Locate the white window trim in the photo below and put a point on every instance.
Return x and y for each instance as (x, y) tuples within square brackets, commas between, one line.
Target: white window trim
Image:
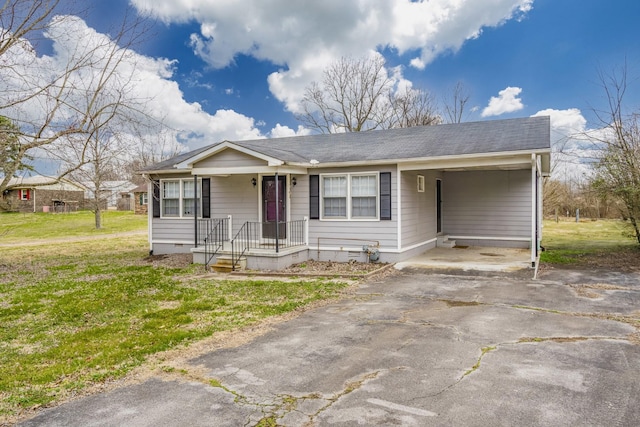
[(145, 199), (24, 195), (349, 217), (181, 182)]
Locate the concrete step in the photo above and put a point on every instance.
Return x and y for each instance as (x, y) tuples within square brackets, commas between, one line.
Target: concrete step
[(224, 264), (444, 242)]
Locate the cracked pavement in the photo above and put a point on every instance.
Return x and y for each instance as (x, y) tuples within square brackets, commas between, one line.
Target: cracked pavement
[(412, 349)]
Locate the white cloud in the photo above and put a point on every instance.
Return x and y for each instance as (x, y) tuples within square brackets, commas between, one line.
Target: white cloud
[(146, 78), (303, 37), (573, 149), (507, 101), (283, 131)]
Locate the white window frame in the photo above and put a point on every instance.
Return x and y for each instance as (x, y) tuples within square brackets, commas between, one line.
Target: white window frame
[(181, 198), (24, 195), (349, 197), (145, 199)]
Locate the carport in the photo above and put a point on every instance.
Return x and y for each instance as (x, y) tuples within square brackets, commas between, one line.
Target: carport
[(472, 258)]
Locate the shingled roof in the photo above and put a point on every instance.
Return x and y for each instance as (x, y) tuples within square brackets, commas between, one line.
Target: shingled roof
[(531, 134)]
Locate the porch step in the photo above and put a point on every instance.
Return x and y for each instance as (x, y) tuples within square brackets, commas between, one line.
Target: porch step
[(224, 264), (444, 242)]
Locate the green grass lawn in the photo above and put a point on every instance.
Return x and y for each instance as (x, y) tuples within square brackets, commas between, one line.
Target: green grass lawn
[(80, 313), (16, 227), (568, 242)]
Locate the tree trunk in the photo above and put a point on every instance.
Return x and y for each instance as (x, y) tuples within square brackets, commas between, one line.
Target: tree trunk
[(635, 229), (98, 217)]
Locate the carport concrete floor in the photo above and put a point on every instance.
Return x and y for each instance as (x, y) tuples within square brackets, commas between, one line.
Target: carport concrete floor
[(412, 348), (471, 258)]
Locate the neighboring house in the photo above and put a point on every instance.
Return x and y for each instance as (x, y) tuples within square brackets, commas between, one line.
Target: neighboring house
[(113, 194), (43, 194), (140, 200), (382, 195)]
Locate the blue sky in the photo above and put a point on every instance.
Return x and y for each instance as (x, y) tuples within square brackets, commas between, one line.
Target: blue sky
[(237, 70)]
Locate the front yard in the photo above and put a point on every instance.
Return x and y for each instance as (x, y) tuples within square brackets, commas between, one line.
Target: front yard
[(594, 244), (76, 315)]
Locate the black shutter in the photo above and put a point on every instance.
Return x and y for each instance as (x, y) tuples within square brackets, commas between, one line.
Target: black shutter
[(206, 197), (314, 196), (385, 195), (156, 198)]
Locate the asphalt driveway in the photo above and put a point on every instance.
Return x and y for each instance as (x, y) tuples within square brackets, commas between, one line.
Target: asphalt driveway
[(412, 349)]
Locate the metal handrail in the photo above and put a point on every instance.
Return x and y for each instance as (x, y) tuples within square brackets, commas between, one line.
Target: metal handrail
[(213, 232), (267, 235)]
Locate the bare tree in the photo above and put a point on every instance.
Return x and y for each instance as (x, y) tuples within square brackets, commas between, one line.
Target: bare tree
[(618, 145), (455, 103), (358, 95), (103, 99), (21, 19), (68, 111), (349, 98), (411, 107)]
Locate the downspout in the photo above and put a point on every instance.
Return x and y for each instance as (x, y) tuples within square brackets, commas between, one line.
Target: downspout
[(195, 211), (34, 200), (150, 185)]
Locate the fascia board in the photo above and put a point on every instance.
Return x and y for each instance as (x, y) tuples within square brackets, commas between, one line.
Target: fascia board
[(249, 170), (419, 162)]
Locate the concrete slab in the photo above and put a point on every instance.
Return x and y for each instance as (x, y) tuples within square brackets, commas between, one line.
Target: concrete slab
[(471, 259), (412, 349)]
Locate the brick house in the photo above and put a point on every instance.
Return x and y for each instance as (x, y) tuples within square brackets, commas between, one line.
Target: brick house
[(43, 194), (140, 200)]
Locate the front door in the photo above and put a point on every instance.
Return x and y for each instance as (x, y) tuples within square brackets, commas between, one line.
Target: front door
[(274, 208)]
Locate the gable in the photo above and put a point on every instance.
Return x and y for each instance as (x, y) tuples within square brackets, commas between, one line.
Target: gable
[(229, 158)]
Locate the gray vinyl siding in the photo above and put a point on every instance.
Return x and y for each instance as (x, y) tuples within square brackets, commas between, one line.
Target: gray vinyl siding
[(418, 209), (236, 196), (178, 229), (299, 198), (338, 233), (230, 158), (176, 234), (487, 203)]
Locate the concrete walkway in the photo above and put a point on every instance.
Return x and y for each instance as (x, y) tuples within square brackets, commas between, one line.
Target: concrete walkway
[(412, 349)]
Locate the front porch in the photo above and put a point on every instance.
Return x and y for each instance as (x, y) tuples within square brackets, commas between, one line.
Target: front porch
[(256, 245)]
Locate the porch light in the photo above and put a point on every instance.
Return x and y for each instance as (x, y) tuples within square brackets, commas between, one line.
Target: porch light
[(294, 181), (254, 182)]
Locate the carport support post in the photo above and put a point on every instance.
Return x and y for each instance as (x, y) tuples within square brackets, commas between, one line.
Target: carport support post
[(277, 215), (534, 209)]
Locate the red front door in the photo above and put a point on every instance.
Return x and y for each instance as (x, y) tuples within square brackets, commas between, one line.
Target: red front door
[(274, 208)]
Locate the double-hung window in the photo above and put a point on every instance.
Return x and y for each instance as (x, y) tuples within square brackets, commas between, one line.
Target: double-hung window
[(334, 196), (189, 196), (364, 196), (350, 196), (177, 198)]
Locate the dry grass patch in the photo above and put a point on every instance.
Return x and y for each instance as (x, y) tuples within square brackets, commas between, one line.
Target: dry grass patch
[(80, 315)]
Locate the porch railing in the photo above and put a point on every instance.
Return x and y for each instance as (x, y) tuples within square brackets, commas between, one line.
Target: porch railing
[(266, 235), (212, 233)]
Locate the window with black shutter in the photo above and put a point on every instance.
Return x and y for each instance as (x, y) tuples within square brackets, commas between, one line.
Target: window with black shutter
[(385, 196)]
